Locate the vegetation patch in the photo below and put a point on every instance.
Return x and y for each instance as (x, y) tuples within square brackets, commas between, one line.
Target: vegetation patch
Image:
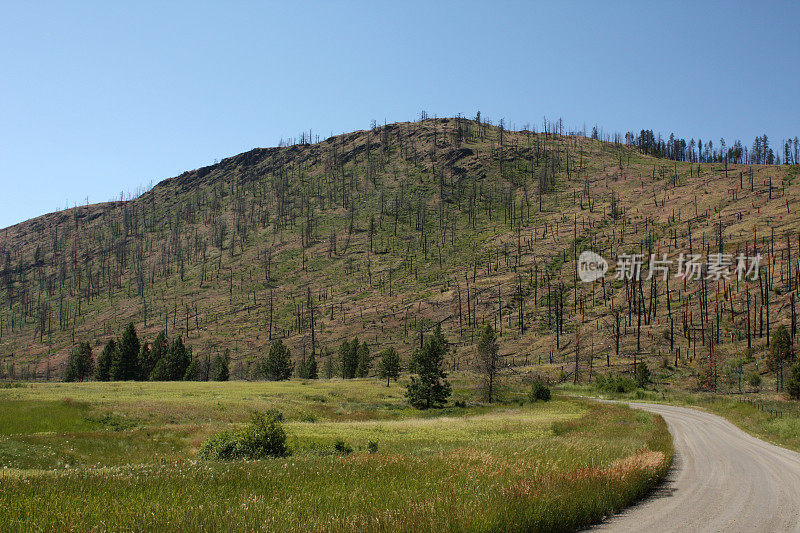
[(541, 466), (263, 437)]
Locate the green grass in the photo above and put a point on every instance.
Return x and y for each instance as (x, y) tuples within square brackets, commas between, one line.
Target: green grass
[(782, 429), (544, 466), (20, 417)]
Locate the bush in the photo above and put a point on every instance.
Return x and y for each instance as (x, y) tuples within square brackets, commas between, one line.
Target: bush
[(793, 383), (754, 380), (342, 447), (263, 437), (274, 413), (539, 391), (614, 384), (642, 375)]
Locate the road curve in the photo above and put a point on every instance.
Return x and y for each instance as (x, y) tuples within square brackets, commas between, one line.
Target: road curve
[(722, 479)]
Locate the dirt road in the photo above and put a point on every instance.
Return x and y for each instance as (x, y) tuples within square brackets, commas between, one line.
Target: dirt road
[(722, 480)]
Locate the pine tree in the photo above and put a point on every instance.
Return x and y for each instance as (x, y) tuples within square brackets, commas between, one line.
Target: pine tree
[(125, 364), (192, 371), (102, 371), (429, 387), (389, 366), (278, 364), (219, 367), (348, 358), (181, 356), (328, 368), (642, 375), (311, 368), (780, 351), (489, 360), (146, 361), (172, 366), (81, 364), (793, 383), (158, 351), (364, 361)]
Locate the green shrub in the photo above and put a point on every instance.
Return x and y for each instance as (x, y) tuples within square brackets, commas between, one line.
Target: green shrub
[(263, 437), (539, 391), (642, 375), (274, 413), (342, 447), (793, 383), (754, 380), (614, 384)]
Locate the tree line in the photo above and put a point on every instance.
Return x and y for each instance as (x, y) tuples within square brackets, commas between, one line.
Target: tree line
[(129, 359), (678, 149)]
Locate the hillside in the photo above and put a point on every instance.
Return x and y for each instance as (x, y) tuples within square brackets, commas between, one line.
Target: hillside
[(386, 232)]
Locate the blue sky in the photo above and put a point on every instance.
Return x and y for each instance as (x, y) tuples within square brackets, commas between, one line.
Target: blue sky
[(100, 97)]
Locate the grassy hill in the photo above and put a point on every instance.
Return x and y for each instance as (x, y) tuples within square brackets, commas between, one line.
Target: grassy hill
[(386, 232)]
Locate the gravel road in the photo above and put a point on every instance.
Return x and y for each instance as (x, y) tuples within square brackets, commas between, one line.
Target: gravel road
[(722, 479)]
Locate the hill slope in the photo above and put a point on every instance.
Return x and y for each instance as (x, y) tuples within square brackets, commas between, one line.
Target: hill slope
[(386, 232)]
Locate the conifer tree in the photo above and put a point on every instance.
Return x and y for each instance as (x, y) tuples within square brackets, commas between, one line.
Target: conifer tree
[(429, 387), (172, 366), (364, 361), (780, 351), (220, 366), (311, 367), (102, 371), (278, 364), (793, 383), (489, 361), (192, 371), (328, 368), (348, 358), (146, 361), (158, 351), (389, 366), (125, 363), (81, 364)]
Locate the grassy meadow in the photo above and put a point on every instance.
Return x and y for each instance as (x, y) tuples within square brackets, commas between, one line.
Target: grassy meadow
[(122, 456), (767, 416)]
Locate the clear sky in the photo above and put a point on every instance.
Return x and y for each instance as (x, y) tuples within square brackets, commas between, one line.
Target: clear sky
[(102, 97)]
